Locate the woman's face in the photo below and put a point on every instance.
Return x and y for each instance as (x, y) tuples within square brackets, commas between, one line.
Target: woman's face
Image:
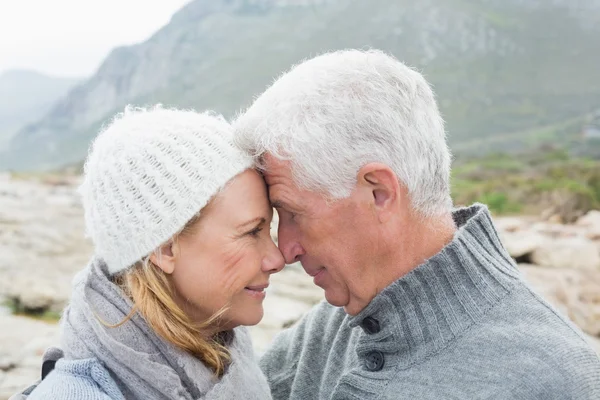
[(227, 258)]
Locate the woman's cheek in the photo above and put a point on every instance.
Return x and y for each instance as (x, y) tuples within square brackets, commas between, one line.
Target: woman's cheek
[(233, 256)]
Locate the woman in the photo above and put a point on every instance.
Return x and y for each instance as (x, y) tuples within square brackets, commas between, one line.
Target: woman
[(180, 225)]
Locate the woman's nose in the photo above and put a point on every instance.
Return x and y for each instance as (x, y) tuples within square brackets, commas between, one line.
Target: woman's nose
[(274, 261)]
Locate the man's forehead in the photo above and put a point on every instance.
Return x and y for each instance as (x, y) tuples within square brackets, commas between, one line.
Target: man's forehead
[(277, 182), (269, 159), (282, 189), (278, 195), (276, 170)]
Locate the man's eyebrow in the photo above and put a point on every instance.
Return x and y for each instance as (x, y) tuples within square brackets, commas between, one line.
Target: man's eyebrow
[(278, 204)]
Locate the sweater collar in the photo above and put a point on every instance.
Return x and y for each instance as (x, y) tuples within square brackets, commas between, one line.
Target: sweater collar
[(424, 310)]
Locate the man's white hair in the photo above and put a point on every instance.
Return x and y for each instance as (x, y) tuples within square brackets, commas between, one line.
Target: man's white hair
[(332, 114)]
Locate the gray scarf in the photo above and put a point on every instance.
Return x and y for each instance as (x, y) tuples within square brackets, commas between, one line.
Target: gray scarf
[(143, 365)]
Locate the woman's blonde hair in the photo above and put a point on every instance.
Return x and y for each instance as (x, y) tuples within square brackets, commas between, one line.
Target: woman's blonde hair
[(153, 294)]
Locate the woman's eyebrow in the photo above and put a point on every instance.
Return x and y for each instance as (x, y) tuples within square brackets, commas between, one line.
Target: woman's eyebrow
[(253, 221)]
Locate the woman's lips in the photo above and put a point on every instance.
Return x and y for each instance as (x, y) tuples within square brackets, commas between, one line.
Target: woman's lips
[(257, 291), (258, 287)]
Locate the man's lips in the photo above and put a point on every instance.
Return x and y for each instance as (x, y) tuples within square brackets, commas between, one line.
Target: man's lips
[(316, 275), (318, 278), (315, 272)]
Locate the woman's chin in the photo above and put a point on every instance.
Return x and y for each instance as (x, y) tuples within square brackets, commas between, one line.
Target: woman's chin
[(250, 318)]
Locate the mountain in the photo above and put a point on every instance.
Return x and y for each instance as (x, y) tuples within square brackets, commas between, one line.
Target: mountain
[(499, 67), (25, 96)]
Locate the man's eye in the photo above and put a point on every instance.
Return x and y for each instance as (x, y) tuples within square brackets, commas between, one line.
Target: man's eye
[(287, 214)]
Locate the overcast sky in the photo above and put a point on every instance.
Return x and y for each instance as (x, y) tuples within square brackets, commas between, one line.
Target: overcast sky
[(72, 37)]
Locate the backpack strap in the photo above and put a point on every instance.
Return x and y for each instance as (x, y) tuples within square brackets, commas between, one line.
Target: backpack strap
[(47, 367), (51, 356)]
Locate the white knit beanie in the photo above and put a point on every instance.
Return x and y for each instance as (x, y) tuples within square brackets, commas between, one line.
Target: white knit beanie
[(148, 173)]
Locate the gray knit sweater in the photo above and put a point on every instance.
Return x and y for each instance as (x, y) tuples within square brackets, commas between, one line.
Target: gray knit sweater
[(463, 325)]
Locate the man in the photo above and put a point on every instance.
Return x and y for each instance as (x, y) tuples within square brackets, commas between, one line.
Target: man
[(423, 302)]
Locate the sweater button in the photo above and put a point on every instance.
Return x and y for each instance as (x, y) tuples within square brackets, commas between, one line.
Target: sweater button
[(370, 325), (374, 361)]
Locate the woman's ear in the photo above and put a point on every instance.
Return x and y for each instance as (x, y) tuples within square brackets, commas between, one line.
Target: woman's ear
[(164, 257)]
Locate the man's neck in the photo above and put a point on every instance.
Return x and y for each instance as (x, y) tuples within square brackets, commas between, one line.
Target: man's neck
[(403, 251), (422, 241)]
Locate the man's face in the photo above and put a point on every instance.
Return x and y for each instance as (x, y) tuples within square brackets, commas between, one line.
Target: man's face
[(336, 242)]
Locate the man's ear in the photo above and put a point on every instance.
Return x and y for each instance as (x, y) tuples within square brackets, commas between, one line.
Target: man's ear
[(164, 257), (383, 185)]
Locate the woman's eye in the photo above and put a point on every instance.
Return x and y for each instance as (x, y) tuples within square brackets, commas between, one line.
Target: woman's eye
[(254, 232)]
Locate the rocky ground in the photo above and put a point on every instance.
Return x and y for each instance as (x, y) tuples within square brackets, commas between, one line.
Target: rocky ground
[(42, 246)]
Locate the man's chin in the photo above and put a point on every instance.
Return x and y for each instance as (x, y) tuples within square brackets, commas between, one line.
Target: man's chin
[(335, 299), (351, 308)]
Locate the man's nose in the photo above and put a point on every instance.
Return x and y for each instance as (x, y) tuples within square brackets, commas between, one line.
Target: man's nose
[(289, 244)]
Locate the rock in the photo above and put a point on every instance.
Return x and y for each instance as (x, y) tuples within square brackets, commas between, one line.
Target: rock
[(593, 234), (510, 224), (592, 218), (555, 219), (24, 341), (17, 380), (7, 361), (575, 293), (556, 231), (34, 293), (42, 244), (22, 337), (564, 205), (520, 243), (591, 223), (575, 252)]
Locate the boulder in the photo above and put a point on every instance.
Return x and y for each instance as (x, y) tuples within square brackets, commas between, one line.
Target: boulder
[(17, 380), (591, 224), (555, 230), (24, 341), (573, 292), (510, 224), (7, 361), (573, 252), (520, 243), (42, 243)]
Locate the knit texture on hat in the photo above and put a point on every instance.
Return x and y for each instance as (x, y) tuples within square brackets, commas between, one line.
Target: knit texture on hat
[(148, 173)]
